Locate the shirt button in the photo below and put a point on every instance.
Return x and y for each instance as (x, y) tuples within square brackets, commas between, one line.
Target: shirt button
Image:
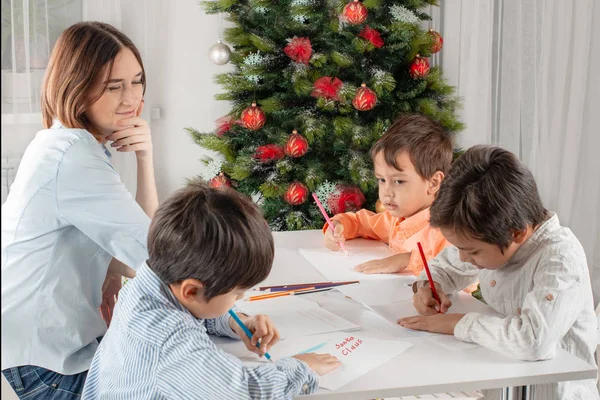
[(519, 311), (549, 297), (305, 388), (493, 283), (54, 385)]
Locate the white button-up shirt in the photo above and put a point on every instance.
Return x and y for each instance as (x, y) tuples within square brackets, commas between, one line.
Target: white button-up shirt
[(545, 294), (66, 214)]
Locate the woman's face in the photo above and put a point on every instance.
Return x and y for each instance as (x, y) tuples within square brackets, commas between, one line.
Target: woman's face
[(122, 96)]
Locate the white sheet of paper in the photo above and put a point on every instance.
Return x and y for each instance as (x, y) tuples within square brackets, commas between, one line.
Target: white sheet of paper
[(275, 305), (294, 316), (382, 292), (336, 266), (367, 354), (392, 312), (359, 354)]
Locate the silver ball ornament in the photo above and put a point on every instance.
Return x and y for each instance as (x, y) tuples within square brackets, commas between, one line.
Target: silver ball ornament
[(219, 53)]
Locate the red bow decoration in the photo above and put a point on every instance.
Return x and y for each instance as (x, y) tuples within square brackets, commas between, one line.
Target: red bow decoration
[(327, 87), (350, 198), (269, 152), (372, 36), (299, 50), (224, 124)]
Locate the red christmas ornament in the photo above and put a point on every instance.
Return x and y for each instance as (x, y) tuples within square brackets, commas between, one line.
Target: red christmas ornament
[(224, 124), (355, 13), (296, 145), (299, 50), (372, 36), (348, 198), (365, 98), (220, 181), (438, 41), (253, 118), (296, 194), (327, 87), (268, 153), (419, 68)]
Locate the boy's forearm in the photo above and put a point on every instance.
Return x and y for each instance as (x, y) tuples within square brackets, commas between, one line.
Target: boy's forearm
[(146, 195)]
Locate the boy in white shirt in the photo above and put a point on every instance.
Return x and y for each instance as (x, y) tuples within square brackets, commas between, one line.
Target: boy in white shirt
[(532, 270)]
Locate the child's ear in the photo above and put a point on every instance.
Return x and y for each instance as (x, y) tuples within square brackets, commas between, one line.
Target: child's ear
[(519, 236), (434, 182), (190, 289)]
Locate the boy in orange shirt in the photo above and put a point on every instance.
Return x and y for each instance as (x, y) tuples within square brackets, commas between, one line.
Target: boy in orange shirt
[(410, 161)]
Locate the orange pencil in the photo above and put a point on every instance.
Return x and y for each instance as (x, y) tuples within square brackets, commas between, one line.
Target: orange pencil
[(278, 294)]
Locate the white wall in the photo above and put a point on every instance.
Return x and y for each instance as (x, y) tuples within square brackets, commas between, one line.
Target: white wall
[(180, 82)]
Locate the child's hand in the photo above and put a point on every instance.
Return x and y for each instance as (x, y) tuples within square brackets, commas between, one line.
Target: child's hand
[(388, 265), (263, 330), (322, 364), (426, 304), (333, 239), (438, 323)]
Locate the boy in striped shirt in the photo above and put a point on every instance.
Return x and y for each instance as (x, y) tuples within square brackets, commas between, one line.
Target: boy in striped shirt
[(206, 246)]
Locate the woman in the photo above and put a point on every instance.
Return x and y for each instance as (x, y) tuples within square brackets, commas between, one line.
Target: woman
[(68, 213)]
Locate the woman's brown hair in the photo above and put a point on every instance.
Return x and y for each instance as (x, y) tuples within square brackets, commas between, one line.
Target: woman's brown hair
[(82, 55)]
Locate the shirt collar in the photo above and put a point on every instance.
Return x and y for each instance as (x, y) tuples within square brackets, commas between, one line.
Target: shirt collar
[(416, 222), (56, 124), (531, 244), (154, 286)]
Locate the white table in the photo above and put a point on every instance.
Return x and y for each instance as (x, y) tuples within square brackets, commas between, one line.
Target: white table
[(423, 368)]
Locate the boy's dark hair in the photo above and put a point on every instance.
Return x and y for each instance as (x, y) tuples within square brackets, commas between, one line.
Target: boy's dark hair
[(427, 144), (487, 194), (217, 236)]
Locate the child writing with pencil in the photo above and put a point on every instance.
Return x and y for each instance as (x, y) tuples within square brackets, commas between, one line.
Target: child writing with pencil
[(410, 162), (206, 247), (532, 270)]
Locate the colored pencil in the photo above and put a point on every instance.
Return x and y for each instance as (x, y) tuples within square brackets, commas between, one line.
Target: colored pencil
[(435, 294), (277, 294), (298, 292), (246, 331), (292, 286), (315, 285), (327, 219), (312, 291)]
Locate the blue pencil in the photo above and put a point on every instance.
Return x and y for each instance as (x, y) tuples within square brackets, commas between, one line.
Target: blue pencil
[(246, 330)]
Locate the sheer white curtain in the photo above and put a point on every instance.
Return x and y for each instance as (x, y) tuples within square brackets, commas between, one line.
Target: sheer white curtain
[(29, 30), (526, 72)]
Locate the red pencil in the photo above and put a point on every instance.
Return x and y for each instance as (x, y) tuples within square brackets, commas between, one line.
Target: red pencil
[(435, 295)]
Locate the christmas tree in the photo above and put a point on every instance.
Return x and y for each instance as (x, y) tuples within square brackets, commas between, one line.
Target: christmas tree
[(316, 83)]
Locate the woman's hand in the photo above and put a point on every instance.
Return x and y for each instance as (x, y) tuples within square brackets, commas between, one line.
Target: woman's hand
[(133, 135)]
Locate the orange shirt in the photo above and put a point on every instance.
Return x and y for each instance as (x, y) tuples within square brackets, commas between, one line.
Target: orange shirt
[(401, 234)]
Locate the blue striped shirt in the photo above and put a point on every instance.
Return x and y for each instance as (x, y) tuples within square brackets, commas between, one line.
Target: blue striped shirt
[(156, 349)]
